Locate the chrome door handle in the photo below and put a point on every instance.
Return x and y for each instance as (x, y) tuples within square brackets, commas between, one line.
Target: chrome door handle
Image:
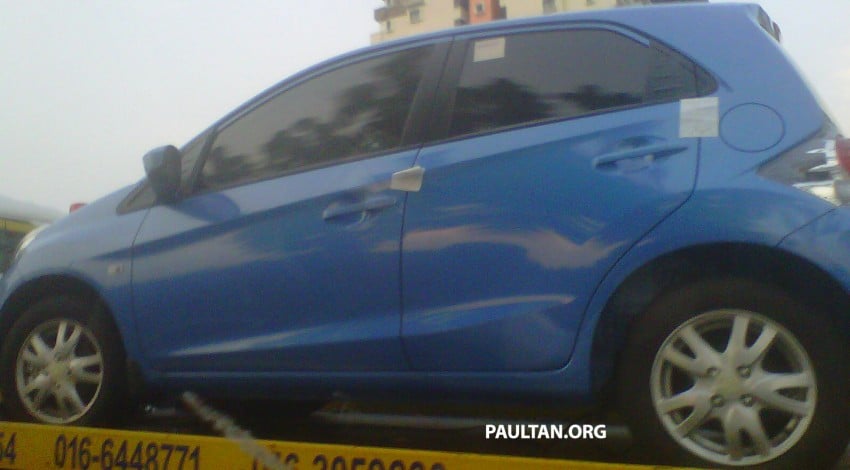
[(409, 180)]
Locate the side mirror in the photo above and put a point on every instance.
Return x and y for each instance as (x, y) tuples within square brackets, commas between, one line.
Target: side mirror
[(162, 166)]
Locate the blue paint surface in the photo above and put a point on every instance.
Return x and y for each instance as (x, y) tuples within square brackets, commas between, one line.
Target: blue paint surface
[(488, 282)]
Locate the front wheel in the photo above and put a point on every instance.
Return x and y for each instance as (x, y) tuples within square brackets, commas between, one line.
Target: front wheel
[(736, 373), (63, 363)]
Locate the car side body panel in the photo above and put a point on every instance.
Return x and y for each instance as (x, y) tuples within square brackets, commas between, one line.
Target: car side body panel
[(729, 204)]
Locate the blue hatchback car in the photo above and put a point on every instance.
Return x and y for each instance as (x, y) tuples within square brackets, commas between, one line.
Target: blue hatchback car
[(644, 204)]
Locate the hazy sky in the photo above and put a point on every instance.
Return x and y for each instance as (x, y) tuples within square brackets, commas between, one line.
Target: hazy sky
[(87, 87)]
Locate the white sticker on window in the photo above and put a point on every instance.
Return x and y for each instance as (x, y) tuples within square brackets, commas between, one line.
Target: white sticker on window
[(699, 117), (489, 49)]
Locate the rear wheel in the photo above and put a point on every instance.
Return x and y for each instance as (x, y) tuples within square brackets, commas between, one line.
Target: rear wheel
[(63, 363), (733, 372)]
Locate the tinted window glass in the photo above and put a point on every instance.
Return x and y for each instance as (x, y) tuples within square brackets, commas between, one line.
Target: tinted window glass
[(354, 110), (561, 74)]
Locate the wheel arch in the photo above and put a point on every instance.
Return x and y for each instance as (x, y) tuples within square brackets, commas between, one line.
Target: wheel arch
[(801, 278), (51, 285)]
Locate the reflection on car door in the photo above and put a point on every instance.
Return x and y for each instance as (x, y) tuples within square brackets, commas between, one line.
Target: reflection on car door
[(563, 151)]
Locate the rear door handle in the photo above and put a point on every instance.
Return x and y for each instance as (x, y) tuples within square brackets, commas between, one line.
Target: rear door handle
[(369, 204), (409, 180), (647, 153)]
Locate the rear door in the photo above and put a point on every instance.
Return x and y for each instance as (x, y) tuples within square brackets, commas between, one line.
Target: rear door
[(557, 151)]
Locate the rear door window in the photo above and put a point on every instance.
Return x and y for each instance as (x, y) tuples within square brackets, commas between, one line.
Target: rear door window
[(530, 77)]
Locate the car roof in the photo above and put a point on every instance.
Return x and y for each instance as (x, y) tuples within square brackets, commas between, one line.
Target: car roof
[(643, 17)]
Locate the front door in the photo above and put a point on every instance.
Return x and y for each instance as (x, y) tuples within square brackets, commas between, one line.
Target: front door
[(286, 256)]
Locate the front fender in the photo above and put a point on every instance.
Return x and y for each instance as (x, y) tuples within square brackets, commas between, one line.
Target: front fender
[(94, 256)]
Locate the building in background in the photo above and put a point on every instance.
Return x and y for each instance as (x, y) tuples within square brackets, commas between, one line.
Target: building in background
[(399, 18), (483, 11)]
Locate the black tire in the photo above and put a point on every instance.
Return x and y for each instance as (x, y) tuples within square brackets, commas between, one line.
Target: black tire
[(99, 386), (705, 307)]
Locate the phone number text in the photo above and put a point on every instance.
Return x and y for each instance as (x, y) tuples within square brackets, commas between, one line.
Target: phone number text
[(77, 452)]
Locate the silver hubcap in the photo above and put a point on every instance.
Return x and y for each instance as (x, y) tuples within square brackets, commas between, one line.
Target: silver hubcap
[(733, 387), (59, 371)]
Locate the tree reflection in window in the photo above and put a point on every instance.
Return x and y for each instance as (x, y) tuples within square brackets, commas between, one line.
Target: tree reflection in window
[(354, 110), (547, 75)]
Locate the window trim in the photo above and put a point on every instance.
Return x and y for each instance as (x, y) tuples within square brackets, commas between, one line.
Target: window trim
[(441, 121)]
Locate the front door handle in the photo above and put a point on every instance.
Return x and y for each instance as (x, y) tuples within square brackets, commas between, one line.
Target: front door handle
[(370, 204), (646, 155)]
